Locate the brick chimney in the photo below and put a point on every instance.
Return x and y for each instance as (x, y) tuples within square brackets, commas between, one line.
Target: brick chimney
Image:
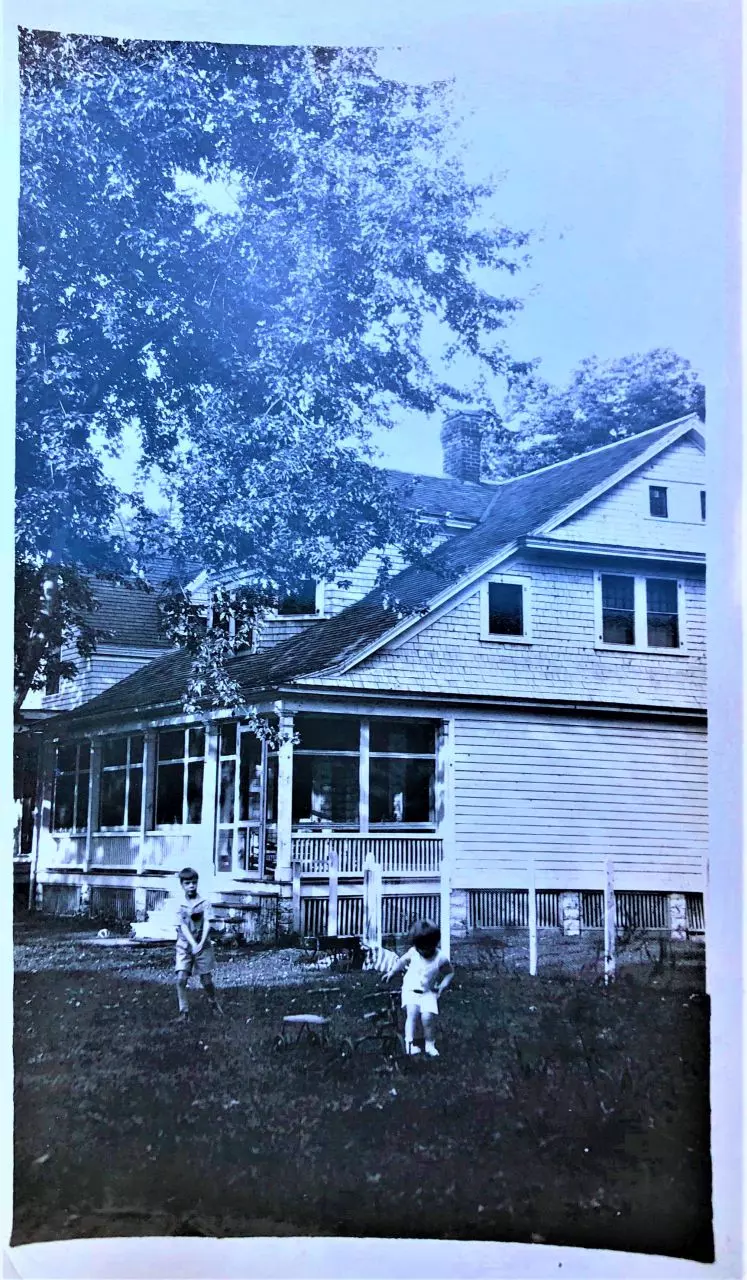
[(461, 439)]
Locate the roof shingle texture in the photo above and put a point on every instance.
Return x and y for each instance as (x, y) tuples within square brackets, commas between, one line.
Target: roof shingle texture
[(517, 508)]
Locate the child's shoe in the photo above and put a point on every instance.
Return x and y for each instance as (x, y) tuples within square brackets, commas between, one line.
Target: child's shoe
[(411, 1048), (432, 1051)]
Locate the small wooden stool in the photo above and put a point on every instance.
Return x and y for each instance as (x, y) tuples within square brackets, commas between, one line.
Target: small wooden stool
[(307, 1025)]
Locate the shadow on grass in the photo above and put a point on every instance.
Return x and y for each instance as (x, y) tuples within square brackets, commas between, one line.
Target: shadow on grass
[(558, 1111)]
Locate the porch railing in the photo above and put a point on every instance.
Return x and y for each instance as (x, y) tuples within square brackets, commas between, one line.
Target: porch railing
[(398, 855)]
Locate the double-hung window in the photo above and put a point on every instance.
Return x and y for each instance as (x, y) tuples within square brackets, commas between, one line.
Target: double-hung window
[(505, 609), (71, 784), (639, 612), (179, 770), (121, 796)]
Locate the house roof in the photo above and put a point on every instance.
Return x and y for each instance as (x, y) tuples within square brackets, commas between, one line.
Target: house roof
[(518, 508), (130, 616), (442, 496)]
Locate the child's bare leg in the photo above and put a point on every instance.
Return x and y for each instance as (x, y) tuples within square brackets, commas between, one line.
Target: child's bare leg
[(429, 1032), (209, 988), (181, 992), (411, 1025)]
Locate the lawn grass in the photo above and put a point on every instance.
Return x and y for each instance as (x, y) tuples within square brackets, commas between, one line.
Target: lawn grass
[(558, 1111)]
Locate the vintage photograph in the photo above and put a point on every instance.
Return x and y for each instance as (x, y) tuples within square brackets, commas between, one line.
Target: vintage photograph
[(360, 754)]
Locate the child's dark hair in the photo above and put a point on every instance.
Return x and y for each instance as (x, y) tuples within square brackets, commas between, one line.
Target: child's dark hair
[(187, 873), (425, 934)]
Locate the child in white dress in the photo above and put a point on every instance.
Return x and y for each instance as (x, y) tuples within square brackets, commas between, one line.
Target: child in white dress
[(428, 973)]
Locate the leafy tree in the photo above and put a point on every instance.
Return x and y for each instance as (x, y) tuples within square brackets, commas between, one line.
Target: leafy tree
[(230, 253), (604, 401)]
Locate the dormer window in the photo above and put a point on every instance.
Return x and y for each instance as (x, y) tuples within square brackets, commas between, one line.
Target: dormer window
[(222, 618), (505, 609), (300, 600), (657, 501)]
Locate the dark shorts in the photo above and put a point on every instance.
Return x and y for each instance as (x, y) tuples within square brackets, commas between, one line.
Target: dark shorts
[(187, 962)]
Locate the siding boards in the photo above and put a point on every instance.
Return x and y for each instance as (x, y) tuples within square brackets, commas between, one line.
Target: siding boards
[(572, 793), (448, 654), (622, 516), (95, 674)]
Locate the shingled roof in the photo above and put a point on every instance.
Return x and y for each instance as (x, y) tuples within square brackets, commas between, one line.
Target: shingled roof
[(518, 508), (130, 616)]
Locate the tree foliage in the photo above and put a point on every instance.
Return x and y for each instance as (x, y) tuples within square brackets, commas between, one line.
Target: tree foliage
[(231, 253), (604, 401)]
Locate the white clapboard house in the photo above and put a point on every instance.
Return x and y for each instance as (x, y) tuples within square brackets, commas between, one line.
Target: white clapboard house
[(525, 714)]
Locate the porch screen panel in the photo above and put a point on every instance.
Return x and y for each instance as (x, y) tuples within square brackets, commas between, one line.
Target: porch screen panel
[(179, 776), (121, 794), (239, 801), (402, 772), (326, 771), (71, 783)]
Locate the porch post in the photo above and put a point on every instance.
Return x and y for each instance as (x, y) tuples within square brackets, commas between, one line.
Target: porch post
[(285, 798), (147, 815), (204, 840), (610, 922), (532, 914), (445, 825), (146, 819), (43, 822), (372, 901), (333, 861), (94, 792)]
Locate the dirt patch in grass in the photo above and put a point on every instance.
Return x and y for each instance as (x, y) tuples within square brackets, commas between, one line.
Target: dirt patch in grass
[(558, 1110)]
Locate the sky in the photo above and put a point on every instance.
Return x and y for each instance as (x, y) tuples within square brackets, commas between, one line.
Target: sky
[(609, 124)]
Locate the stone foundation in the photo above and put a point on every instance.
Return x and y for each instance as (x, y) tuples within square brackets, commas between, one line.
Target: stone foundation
[(459, 913), (570, 914), (677, 916)]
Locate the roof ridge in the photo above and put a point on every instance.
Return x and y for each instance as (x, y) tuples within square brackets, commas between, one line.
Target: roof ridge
[(578, 457), (600, 448)]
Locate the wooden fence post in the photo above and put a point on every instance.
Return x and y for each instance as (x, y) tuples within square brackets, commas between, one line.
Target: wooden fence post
[(372, 901), (532, 915), (296, 892), (610, 923), (333, 862)]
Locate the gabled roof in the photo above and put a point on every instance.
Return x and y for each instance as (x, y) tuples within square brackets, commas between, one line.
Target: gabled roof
[(130, 617), (519, 507)]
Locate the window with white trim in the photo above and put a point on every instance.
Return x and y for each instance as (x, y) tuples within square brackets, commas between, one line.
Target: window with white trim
[(71, 784), (179, 770), (121, 785), (302, 600), (657, 501), (634, 611), (505, 609)]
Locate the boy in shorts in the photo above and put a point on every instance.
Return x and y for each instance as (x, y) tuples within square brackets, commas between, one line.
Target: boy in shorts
[(427, 975), (194, 950)]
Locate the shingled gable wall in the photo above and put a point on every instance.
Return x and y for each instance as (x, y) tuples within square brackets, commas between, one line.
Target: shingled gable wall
[(447, 654), (622, 518)]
